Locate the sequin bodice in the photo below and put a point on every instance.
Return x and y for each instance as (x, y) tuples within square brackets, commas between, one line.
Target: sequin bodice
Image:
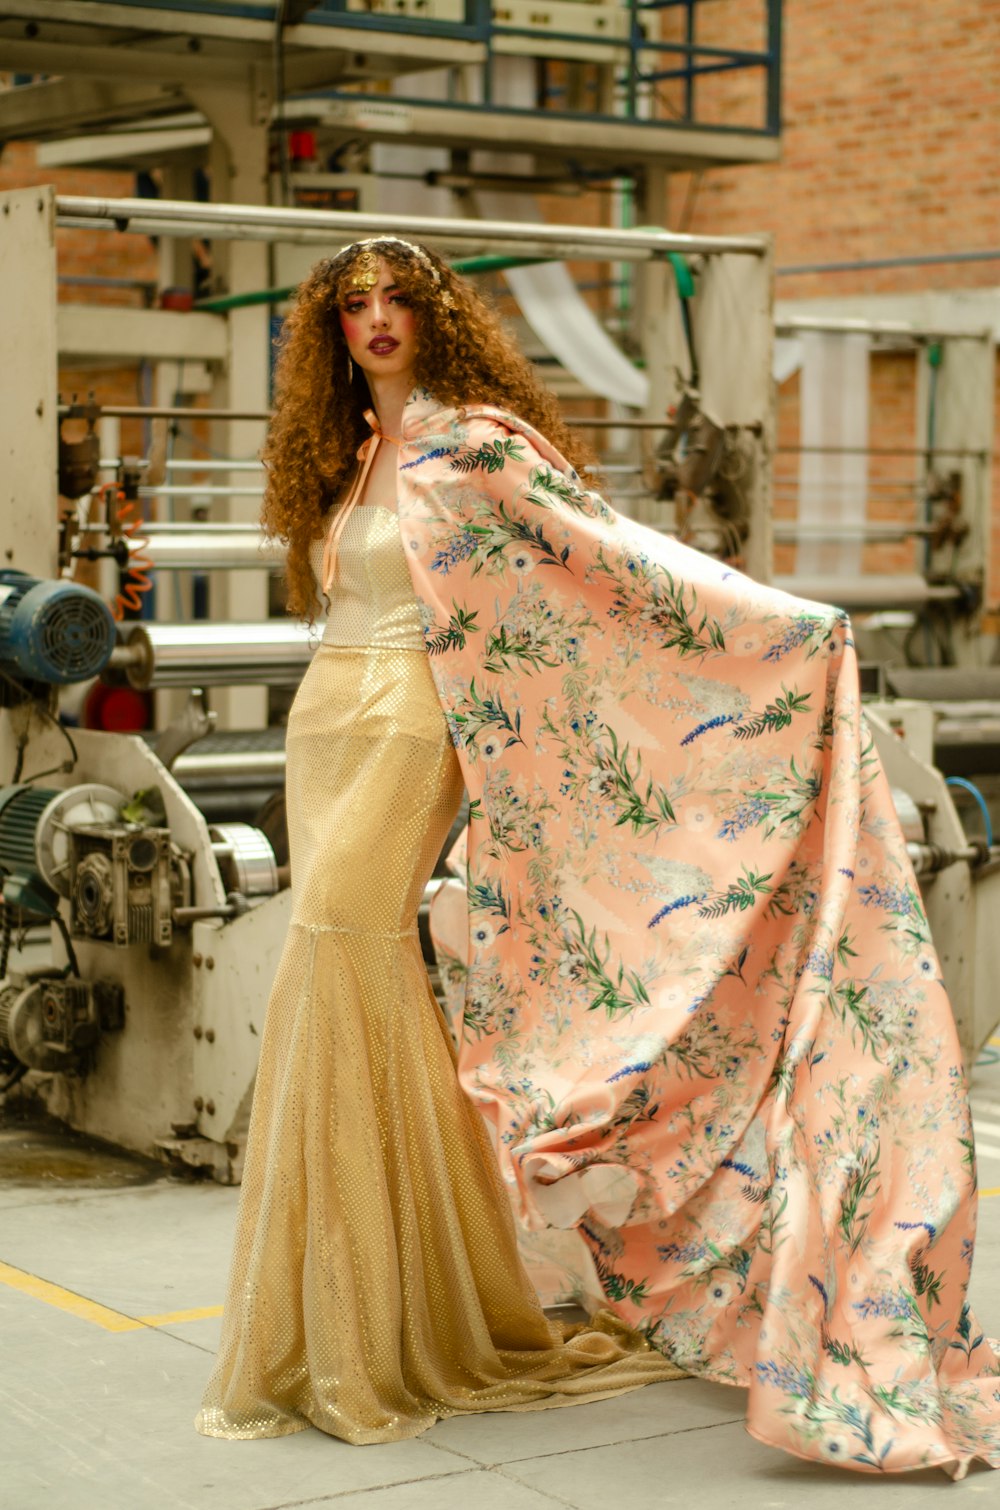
[(372, 601)]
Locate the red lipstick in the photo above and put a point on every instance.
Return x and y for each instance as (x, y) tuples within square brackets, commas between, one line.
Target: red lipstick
[(382, 345)]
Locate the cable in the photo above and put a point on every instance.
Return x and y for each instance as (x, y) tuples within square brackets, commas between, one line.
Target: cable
[(973, 790), (17, 1073), (58, 724), (22, 745), (74, 964)]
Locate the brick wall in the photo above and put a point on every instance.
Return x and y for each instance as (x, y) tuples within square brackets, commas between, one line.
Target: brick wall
[(890, 145), (102, 254)]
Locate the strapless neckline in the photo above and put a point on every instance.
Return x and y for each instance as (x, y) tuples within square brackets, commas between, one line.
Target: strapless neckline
[(373, 602)]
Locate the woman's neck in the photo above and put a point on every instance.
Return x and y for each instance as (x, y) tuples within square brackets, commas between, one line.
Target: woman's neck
[(389, 395)]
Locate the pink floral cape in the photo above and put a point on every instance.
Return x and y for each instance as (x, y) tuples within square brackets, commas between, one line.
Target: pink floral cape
[(700, 1006)]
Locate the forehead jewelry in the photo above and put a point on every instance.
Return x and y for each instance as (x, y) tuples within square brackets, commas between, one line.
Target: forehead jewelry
[(364, 273), (365, 267)]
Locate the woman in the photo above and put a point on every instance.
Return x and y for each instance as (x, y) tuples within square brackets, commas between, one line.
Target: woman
[(376, 1283), (700, 1004)]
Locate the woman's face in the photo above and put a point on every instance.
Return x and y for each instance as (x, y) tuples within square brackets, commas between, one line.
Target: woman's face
[(379, 327)]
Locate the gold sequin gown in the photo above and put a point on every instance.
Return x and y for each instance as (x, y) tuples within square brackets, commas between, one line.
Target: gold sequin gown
[(376, 1284)]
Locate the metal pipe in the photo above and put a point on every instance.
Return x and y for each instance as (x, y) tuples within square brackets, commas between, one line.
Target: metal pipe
[(867, 592), (928, 858), (836, 485), (221, 765), (203, 550), (182, 916), (170, 411), (273, 653), (929, 259), (197, 464), (790, 529), (186, 218), (792, 325), (191, 464), (192, 490), (876, 451), (208, 529)]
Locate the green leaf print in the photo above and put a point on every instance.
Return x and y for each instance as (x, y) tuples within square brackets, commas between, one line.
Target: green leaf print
[(926, 1282), (863, 1181), (843, 1352), (739, 896), (775, 717), (501, 529), (461, 623), (851, 1003), (484, 897), (648, 598), (642, 811), (544, 484), (492, 456), (616, 992), (479, 713), (844, 951), (505, 651)]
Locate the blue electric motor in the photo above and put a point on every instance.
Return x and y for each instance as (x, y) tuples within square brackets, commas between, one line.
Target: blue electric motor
[(56, 632)]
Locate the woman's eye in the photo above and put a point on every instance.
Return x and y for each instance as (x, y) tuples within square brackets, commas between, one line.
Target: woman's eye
[(400, 299), (354, 308)]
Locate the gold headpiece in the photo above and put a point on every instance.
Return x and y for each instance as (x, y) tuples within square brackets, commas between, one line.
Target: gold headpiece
[(364, 271), (367, 260)]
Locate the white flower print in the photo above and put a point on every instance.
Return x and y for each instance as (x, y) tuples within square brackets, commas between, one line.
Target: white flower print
[(491, 747), (522, 561), (926, 966), (699, 818), (722, 1288), (482, 936)]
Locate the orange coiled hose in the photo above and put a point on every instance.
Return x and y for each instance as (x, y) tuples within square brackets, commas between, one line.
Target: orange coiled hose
[(127, 521)]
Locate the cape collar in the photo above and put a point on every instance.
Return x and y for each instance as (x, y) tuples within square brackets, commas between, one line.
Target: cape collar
[(426, 419)]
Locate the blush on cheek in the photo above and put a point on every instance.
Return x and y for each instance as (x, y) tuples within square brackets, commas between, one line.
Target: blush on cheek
[(351, 328)]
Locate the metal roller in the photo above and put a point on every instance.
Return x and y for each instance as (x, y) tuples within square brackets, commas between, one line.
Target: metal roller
[(245, 858), (208, 549), (869, 592), (231, 766), (273, 654)]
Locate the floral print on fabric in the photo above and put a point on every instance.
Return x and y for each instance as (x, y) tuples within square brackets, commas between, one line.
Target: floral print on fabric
[(701, 1005)]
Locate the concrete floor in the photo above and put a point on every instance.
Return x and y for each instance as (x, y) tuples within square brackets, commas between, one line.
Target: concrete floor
[(110, 1283)]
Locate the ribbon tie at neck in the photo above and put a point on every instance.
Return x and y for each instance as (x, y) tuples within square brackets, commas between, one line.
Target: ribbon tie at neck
[(366, 455)]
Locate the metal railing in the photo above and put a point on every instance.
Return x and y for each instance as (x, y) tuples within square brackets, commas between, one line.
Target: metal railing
[(636, 58)]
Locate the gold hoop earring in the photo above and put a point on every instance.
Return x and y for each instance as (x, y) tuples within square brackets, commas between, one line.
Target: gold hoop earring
[(350, 369)]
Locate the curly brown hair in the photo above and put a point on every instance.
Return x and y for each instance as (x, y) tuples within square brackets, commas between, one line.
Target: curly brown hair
[(464, 356)]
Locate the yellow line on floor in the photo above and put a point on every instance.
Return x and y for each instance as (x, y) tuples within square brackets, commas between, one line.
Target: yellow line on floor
[(200, 1313), (67, 1300), (994, 1191), (91, 1310)]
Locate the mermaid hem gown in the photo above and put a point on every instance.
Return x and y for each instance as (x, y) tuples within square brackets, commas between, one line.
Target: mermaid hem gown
[(376, 1284)]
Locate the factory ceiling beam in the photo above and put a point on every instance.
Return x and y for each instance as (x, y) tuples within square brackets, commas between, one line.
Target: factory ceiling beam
[(36, 111), (619, 145), (67, 58), (98, 23), (303, 70)]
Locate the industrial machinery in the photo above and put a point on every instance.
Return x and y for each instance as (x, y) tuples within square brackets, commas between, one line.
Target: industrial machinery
[(51, 633)]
